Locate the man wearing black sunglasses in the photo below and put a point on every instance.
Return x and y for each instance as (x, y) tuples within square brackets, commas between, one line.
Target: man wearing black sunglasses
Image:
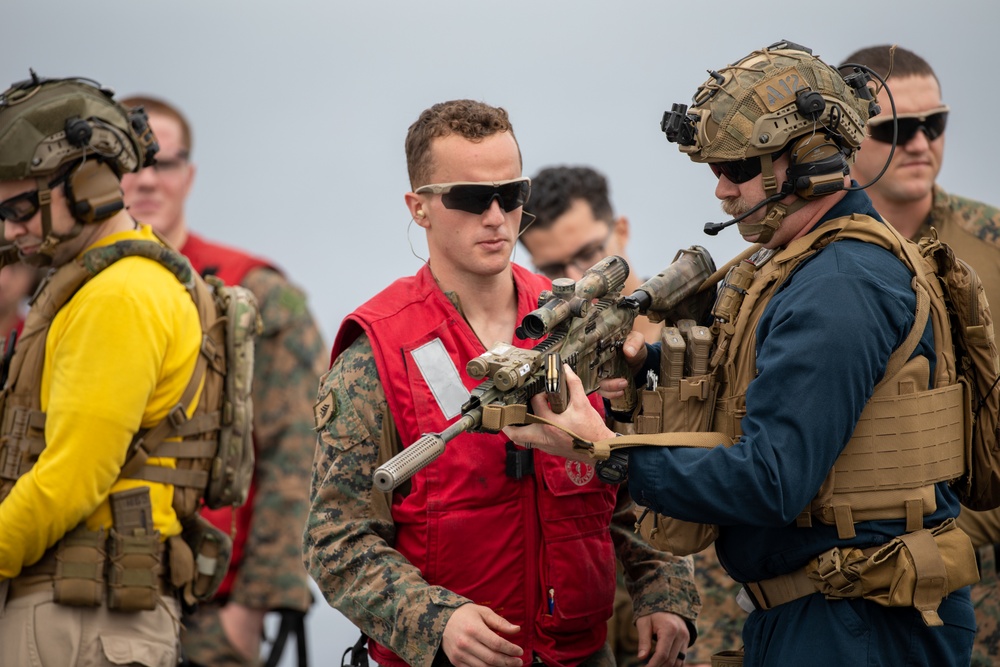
[(788, 465), (83, 552), (911, 201), (494, 554)]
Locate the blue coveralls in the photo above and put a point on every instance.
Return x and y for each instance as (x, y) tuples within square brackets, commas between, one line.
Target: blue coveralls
[(823, 343)]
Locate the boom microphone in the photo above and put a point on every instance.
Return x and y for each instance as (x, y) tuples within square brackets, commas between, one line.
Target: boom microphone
[(713, 228)]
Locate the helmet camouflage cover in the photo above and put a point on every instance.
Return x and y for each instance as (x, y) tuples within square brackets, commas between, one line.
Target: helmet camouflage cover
[(48, 123), (757, 105)]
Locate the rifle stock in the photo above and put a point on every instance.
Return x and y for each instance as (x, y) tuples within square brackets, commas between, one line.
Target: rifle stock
[(586, 335)]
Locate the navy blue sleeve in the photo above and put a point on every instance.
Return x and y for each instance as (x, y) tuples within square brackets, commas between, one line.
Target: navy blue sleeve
[(822, 345)]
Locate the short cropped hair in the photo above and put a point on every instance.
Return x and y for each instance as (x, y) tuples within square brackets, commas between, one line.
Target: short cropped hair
[(554, 189), (905, 63), (467, 118)]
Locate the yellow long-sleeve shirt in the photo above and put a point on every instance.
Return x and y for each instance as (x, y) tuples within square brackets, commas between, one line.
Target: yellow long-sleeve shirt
[(118, 357)]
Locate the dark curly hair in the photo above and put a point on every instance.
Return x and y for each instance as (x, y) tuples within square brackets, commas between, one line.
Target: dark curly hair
[(554, 189)]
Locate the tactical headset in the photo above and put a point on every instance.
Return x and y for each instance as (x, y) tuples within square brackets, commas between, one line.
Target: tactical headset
[(72, 129), (796, 105)]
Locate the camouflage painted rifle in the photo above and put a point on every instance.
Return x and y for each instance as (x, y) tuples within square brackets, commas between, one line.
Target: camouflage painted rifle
[(579, 331)]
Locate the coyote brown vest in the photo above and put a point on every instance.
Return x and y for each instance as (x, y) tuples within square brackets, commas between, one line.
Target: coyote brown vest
[(213, 448), (883, 471)]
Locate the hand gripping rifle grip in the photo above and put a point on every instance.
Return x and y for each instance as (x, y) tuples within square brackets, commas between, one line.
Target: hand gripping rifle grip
[(404, 465)]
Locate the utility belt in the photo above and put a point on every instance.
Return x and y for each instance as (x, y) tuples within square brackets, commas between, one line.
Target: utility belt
[(88, 568), (129, 567), (916, 570), (41, 578)]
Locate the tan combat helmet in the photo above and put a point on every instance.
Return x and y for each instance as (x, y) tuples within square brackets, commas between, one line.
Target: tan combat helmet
[(71, 132), (777, 98)]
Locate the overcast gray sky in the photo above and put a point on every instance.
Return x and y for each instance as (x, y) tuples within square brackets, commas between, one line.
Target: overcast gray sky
[(300, 108)]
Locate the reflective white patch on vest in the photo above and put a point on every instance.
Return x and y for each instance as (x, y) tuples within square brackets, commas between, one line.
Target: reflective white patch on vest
[(442, 377), (579, 472)]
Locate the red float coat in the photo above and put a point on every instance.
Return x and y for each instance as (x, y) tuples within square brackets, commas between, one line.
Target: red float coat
[(231, 266), (537, 550)]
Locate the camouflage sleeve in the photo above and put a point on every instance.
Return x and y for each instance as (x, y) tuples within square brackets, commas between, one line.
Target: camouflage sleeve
[(289, 358), (349, 532), (656, 580)]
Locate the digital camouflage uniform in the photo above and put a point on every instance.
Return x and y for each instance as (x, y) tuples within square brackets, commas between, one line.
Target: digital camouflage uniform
[(972, 229), (290, 356), (719, 623), (348, 543)]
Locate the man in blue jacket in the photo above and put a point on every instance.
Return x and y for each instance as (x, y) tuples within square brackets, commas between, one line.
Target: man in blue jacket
[(840, 524)]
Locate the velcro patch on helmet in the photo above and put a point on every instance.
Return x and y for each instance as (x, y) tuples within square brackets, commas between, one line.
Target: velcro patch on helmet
[(780, 90)]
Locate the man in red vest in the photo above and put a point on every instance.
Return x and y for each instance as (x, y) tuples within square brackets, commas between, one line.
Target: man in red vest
[(266, 572), (17, 283), (492, 554)]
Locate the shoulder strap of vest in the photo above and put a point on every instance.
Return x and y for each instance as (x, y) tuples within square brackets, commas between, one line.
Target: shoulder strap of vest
[(144, 444), (67, 280), (865, 228)]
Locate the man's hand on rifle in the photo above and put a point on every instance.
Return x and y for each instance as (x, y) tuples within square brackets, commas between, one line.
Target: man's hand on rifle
[(580, 417), (634, 348)]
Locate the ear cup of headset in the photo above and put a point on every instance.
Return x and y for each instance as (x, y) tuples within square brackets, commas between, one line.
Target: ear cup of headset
[(94, 191), (817, 166)]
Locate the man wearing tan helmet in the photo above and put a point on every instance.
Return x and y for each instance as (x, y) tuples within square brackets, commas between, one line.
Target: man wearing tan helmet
[(810, 330)]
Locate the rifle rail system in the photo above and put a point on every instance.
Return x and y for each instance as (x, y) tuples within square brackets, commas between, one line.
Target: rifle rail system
[(584, 324)]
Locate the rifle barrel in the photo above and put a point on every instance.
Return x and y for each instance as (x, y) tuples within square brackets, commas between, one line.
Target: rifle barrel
[(405, 464)]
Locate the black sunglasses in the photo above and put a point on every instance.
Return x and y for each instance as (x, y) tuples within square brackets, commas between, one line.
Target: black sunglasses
[(741, 171), (737, 171), (19, 208), (22, 207), (477, 197), (931, 122)]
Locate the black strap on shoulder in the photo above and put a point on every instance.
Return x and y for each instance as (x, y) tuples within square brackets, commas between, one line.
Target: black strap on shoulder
[(292, 620), (358, 653)]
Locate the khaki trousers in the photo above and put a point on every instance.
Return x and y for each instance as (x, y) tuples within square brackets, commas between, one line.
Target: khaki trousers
[(37, 632)]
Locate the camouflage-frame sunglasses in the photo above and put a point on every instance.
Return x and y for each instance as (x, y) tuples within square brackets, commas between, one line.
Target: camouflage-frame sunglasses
[(476, 197), (932, 122)]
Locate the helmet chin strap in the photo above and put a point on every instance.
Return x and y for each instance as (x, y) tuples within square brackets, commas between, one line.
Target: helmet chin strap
[(47, 248), (776, 212)]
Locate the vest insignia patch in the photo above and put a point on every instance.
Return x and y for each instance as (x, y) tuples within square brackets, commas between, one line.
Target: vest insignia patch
[(579, 472)]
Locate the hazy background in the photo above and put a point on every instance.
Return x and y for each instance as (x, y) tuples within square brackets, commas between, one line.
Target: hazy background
[(300, 108)]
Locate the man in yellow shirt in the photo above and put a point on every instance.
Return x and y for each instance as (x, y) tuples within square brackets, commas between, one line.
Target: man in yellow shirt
[(87, 377)]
